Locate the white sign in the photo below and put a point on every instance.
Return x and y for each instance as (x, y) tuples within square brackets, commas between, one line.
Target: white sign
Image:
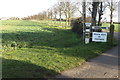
[(87, 30), (86, 40), (88, 24), (99, 36), (96, 27)]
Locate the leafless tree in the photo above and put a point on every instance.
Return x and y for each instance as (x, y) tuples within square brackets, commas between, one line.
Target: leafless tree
[(60, 10), (101, 9), (94, 12), (112, 7), (49, 14), (69, 8), (55, 11), (78, 7), (100, 12)]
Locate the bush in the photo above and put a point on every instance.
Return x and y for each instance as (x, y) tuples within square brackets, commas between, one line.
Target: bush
[(77, 26)]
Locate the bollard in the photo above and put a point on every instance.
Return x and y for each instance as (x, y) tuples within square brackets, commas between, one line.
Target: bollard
[(111, 34)]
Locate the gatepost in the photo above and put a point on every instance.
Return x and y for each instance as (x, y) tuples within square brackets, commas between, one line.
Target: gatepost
[(111, 34)]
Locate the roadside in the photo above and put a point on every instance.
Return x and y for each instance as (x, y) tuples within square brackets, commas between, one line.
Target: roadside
[(103, 66)]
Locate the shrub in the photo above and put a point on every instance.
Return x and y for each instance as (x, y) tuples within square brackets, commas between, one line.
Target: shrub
[(77, 26)]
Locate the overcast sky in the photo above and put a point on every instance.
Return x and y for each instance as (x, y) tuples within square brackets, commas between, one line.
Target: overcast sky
[(23, 8)]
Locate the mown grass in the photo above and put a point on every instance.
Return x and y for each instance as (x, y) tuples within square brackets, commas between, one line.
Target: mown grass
[(117, 26), (32, 49), (62, 24)]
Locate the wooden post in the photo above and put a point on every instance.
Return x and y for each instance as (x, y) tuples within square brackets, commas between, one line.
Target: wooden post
[(111, 34), (84, 20)]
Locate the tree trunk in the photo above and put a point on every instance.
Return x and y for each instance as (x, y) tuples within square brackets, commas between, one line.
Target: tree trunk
[(94, 15), (94, 12), (51, 15), (55, 17), (60, 17), (69, 16), (66, 19), (100, 14), (111, 13)]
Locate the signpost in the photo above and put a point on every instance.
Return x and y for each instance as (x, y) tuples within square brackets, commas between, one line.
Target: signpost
[(88, 30), (99, 36), (87, 34), (96, 36), (84, 19)]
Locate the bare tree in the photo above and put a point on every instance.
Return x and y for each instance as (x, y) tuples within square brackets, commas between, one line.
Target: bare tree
[(94, 12), (101, 10), (78, 7), (51, 14), (60, 10), (112, 6), (69, 8), (89, 8), (55, 11), (48, 14)]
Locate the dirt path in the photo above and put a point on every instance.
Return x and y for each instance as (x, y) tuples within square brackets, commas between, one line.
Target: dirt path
[(103, 66)]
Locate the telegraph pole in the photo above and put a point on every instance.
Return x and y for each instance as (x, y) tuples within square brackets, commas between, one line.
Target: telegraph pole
[(84, 19)]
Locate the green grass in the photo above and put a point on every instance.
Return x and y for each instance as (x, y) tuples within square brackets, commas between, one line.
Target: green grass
[(117, 26), (62, 24), (33, 49)]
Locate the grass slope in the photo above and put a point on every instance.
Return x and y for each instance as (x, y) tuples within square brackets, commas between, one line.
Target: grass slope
[(32, 49)]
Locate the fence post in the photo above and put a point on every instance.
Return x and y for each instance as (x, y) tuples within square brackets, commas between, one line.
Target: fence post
[(111, 34)]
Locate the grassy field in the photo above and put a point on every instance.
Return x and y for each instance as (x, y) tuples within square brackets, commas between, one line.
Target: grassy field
[(117, 26), (36, 50), (55, 23)]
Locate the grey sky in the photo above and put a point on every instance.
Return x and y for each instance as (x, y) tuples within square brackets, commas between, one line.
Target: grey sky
[(23, 8)]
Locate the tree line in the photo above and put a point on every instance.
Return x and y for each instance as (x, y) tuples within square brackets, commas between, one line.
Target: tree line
[(65, 11)]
